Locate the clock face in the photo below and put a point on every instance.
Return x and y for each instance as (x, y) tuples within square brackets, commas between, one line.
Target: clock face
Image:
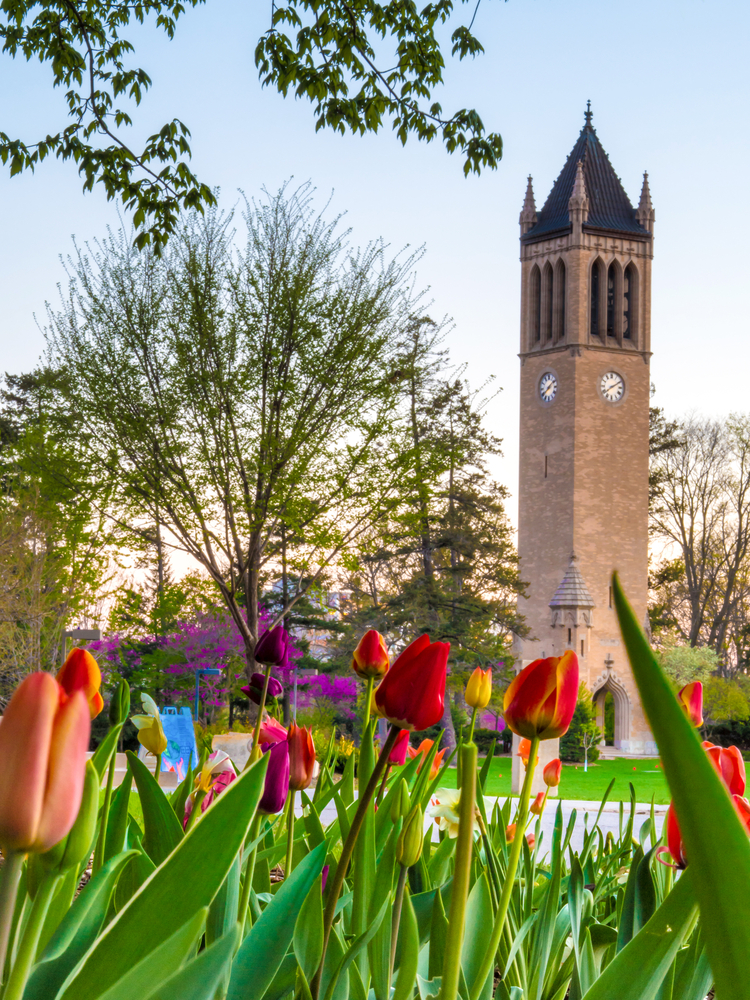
[(612, 386), (547, 387)]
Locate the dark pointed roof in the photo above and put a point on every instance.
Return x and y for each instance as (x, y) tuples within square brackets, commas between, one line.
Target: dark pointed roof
[(609, 206), (572, 592)]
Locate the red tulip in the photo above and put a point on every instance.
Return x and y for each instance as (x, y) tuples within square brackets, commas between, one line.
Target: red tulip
[(552, 773), (674, 839), (743, 809), (691, 697), (730, 766), (540, 701), (370, 658), (44, 737), (422, 750), (412, 693), (80, 672), (400, 747), (301, 757)]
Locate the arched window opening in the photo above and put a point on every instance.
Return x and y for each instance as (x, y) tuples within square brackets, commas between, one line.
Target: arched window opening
[(628, 287), (595, 300), (548, 303), (536, 306), (560, 283), (611, 282)]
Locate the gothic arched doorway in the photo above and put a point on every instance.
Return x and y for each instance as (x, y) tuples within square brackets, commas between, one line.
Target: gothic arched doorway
[(616, 728)]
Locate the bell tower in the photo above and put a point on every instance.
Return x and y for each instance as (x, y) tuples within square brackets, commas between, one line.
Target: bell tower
[(584, 434)]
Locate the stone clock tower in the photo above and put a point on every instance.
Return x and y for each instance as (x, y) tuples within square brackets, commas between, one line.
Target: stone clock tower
[(585, 349)]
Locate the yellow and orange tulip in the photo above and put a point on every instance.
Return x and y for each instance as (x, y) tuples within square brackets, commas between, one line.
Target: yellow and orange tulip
[(541, 699), (370, 658), (552, 773), (691, 697), (80, 672), (422, 751), (479, 689), (44, 737)]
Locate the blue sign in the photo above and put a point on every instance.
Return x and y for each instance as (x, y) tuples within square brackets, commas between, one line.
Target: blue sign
[(181, 748)]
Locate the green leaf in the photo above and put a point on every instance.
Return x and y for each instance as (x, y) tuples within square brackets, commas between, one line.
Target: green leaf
[(222, 913), (354, 949), (379, 949), (308, 931), (103, 753), (640, 898), (636, 973), (184, 884), (477, 932), (178, 798), (159, 964), (76, 932), (485, 771), (163, 831), (264, 948), (715, 840), (200, 978), (438, 940), (117, 824), (409, 948)]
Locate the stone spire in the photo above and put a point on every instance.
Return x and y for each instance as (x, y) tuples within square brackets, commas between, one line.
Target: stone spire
[(645, 212), (528, 212), (578, 205)]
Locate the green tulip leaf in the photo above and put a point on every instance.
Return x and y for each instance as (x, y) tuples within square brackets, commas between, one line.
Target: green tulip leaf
[(408, 934), (103, 753), (76, 932), (379, 948), (308, 931), (162, 830), (200, 978), (264, 948), (187, 882), (716, 842), (117, 824), (477, 933), (222, 913), (638, 971), (354, 949)]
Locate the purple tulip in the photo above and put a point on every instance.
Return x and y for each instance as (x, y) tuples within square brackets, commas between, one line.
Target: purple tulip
[(271, 647), (325, 877), (254, 689), (277, 778)]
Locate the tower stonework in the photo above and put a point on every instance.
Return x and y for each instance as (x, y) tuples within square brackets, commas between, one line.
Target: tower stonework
[(584, 433)]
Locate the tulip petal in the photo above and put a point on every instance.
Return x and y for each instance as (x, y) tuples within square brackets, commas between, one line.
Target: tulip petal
[(67, 770), (80, 672), (25, 737)]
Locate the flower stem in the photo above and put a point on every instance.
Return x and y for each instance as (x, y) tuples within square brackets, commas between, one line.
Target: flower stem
[(383, 783), (249, 873), (461, 874), (368, 702), (11, 873), (196, 810), (290, 836), (101, 841), (27, 949), (255, 754), (488, 961), (398, 902), (157, 770), (334, 891), (470, 738)]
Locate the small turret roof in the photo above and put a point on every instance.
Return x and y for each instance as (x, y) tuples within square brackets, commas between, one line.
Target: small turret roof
[(572, 592), (609, 205)]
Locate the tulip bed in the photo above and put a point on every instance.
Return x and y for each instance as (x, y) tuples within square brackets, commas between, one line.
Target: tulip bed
[(218, 895)]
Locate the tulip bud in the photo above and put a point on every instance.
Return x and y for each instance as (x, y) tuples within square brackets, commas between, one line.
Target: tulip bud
[(276, 785), (479, 689), (552, 773), (691, 698), (77, 846), (80, 672), (301, 757), (400, 747), (401, 804), (409, 843), (412, 693), (524, 749), (537, 806), (370, 658), (119, 706), (254, 690), (541, 699), (44, 737), (271, 648)]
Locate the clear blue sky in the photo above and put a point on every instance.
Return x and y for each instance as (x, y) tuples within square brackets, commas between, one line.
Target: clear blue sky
[(668, 82)]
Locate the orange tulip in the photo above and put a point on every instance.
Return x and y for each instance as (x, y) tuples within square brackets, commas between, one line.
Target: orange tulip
[(691, 697), (370, 658), (412, 693), (540, 701), (44, 737), (422, 750), (530, 839), (301, 757), (479, 689), (552, 773), (524, 749), (510, 832), (80, 672), (537, 806)]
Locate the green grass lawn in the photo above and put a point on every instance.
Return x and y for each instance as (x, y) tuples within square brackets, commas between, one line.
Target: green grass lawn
[(647, 779)]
